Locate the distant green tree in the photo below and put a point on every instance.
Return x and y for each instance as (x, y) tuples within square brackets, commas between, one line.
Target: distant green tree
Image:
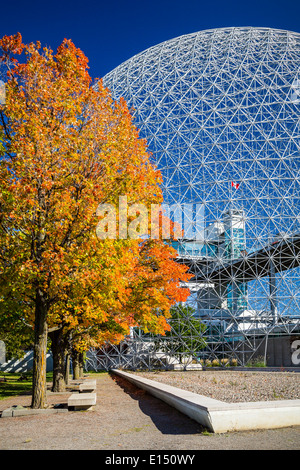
[(14, 331), (186, 337)]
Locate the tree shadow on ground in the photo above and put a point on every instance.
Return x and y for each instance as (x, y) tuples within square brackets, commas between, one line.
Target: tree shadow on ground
[(166, 418)]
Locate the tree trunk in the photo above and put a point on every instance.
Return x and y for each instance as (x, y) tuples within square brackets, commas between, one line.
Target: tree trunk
[(39, 397), (76, 365), (81, 364), (58, 352), (67, 369)]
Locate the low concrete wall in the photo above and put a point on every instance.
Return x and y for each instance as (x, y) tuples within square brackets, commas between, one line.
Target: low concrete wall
[(218, 416)]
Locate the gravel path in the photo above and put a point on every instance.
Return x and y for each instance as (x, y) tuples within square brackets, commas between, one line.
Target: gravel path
[(233, 386)]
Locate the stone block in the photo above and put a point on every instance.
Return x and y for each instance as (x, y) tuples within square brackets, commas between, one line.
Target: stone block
[(88, 386), (82, 401)]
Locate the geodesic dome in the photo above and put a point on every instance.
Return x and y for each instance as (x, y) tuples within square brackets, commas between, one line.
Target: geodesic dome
[(220, 111)]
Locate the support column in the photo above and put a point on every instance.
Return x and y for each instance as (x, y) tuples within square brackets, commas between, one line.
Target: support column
[(273, 293)]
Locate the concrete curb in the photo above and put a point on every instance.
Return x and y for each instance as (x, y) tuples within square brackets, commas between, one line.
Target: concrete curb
[(218, 416), (14, 412)]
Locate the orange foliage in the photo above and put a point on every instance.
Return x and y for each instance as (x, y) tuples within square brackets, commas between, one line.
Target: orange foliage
[(69, 147)]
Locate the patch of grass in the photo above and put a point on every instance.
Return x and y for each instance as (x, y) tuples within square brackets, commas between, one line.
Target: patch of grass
[(96, 374), (136, 429), (130, 430), (13, 384), (277, 395), (232, 383), (257, 362)]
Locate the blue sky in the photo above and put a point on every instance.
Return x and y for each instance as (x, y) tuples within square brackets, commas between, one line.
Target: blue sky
[(111, 31)]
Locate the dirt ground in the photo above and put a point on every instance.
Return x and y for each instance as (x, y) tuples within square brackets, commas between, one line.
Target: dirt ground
[(127, 419)]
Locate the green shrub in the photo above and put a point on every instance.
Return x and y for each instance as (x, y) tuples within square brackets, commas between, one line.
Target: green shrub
[(258, 361)]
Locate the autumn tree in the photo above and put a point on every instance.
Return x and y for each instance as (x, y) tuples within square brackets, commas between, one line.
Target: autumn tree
[(68, 147), (102, 310), (88, 311)]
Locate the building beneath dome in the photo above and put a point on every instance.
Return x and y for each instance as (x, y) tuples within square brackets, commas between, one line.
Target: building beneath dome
[(220, 112)]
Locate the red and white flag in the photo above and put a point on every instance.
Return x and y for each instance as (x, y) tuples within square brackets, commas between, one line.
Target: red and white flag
[(235, 185)]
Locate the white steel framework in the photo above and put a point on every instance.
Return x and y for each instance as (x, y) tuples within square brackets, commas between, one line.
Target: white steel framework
[(220, 111)]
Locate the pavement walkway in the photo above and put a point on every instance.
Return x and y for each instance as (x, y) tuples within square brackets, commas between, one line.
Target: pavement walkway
[(126, 418)]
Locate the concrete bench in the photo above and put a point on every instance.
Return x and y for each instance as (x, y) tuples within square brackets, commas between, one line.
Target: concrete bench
[(82, 401), (88, 386)]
